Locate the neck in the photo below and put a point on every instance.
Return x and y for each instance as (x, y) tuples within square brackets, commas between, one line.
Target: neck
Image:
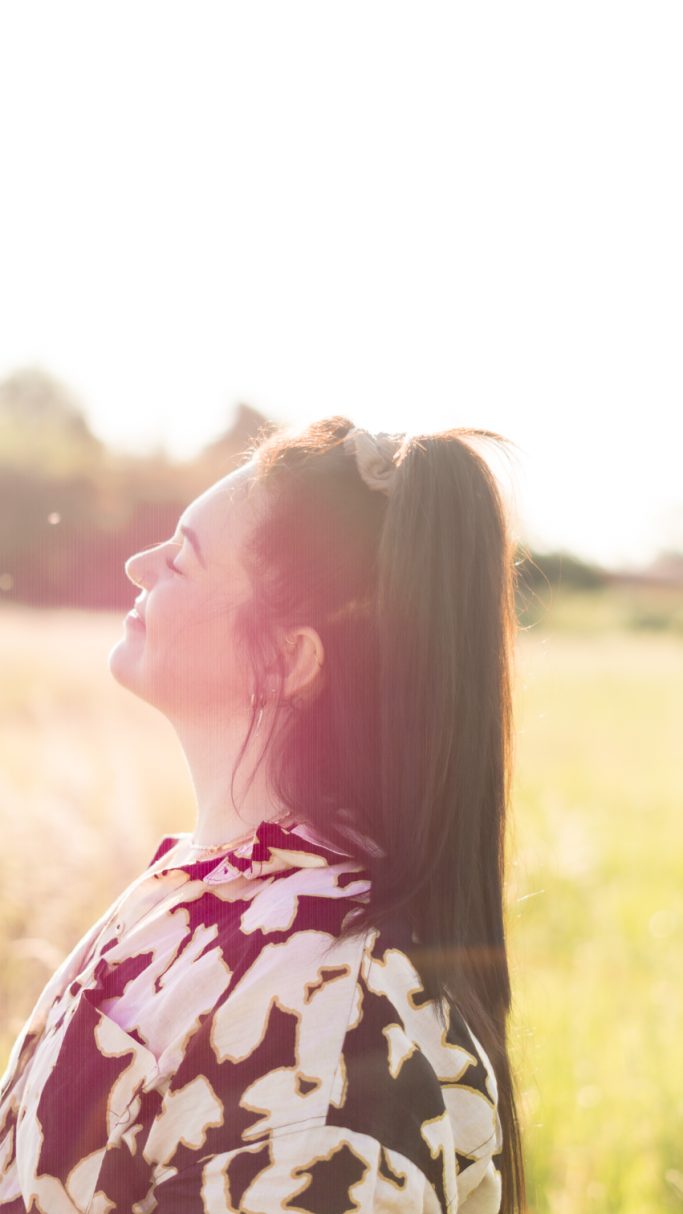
[(211, 749)]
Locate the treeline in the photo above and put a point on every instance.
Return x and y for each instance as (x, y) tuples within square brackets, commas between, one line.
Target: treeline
[(72, 511)]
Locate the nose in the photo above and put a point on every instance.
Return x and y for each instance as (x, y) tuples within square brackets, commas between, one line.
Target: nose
[(139, 567), (133, 570)]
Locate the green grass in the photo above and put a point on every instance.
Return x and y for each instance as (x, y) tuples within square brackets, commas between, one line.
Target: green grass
[(90, 778), (596, 919)]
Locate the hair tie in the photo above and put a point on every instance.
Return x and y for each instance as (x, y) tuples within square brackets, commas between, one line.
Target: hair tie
[(377, 456)]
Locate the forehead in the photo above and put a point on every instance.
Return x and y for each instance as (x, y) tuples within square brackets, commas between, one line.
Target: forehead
[(226, 504)]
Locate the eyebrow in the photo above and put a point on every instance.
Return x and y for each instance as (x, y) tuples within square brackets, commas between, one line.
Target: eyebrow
[(192, 537)]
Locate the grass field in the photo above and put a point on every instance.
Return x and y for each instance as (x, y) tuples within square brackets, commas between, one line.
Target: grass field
[(90, 778)]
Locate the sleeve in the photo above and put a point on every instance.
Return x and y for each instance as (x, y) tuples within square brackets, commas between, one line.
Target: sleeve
[(486, 1197), (316, 1170)]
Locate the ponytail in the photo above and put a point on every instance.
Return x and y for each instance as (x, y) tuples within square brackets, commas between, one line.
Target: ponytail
[(446, 626)]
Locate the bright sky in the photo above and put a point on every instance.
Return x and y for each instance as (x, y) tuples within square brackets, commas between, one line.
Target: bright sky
[(419, 215)]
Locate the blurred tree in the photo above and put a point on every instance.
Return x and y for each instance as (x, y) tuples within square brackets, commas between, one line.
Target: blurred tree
[(227, 451), (72, 511), (42, 425)]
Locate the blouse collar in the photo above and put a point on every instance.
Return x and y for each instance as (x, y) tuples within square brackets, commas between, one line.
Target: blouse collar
[(274, 848)]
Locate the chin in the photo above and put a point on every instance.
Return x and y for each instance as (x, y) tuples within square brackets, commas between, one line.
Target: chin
[(121, 662)]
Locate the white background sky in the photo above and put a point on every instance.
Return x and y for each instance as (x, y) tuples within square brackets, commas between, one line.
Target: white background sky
[(419, 215)]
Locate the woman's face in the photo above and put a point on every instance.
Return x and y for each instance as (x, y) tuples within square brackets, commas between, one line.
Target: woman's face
[(183, 658)]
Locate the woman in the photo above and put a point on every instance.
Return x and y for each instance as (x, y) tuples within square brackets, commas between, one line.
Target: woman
[(302, 1005)]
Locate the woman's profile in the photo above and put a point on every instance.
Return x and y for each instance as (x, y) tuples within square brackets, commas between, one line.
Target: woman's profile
[(302, 1004)]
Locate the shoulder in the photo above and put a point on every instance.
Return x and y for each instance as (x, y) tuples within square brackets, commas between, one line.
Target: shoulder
[(164, 845)]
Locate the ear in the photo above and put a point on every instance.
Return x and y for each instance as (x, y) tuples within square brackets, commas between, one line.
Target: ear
[(304, 658)]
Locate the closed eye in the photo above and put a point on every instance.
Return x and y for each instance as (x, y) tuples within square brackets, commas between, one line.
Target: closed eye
[(173, 567)]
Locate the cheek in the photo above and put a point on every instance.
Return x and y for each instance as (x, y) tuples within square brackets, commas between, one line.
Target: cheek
[(200, 649)]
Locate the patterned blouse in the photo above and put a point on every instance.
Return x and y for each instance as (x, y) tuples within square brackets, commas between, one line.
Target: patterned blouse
[(210, 1046)]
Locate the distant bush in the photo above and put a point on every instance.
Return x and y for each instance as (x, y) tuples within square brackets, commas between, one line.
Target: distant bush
[(540, 575), (646, 619), (559, 569)]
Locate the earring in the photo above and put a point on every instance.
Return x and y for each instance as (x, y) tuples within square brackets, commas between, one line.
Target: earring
[(262, 704)]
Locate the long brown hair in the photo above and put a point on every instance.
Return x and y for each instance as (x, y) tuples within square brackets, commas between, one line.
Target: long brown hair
[(409, 737)]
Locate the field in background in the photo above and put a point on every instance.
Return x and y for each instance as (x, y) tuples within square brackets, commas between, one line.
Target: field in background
[(596, 919), (90, 778)]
